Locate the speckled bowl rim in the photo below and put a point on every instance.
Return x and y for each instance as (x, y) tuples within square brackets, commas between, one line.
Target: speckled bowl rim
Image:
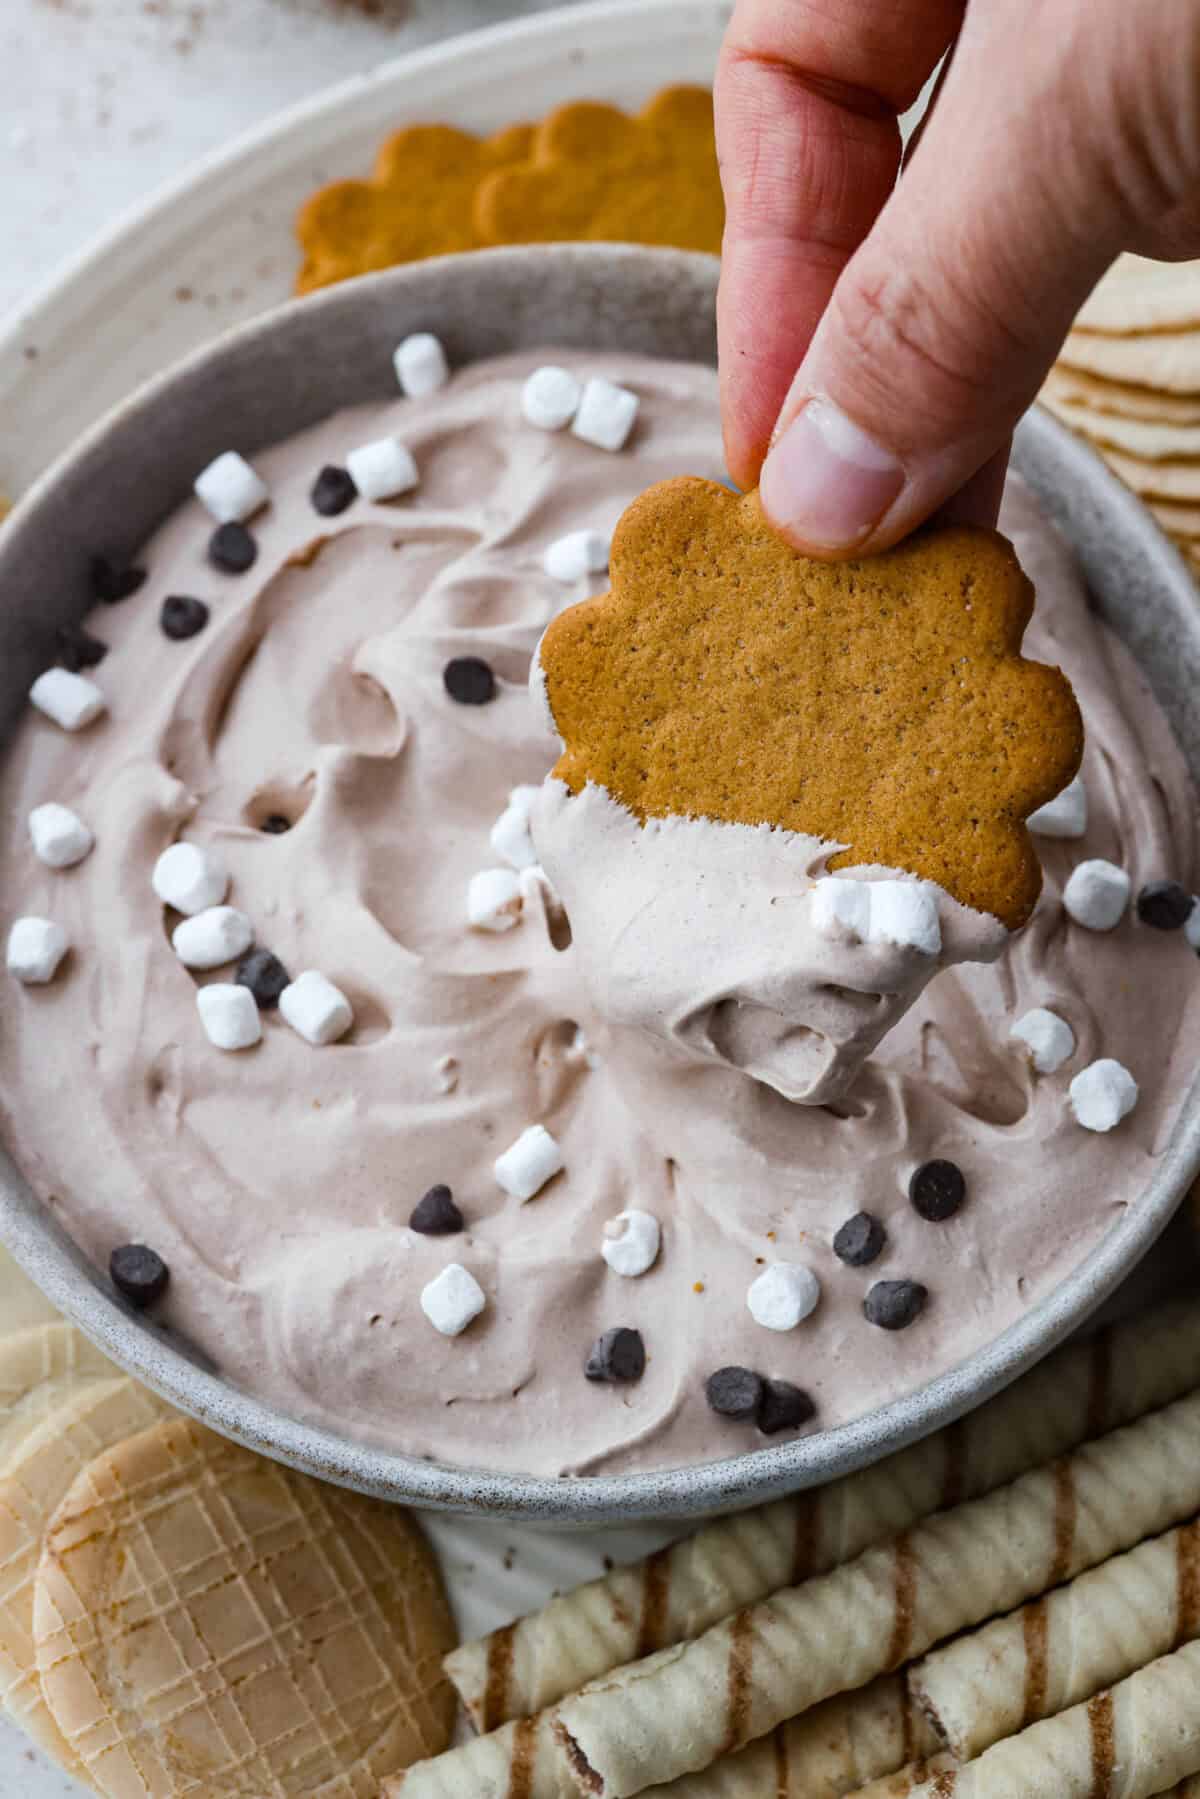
[(259, 382)]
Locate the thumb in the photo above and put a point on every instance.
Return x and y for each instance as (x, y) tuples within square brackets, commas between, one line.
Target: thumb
[(943, 324)]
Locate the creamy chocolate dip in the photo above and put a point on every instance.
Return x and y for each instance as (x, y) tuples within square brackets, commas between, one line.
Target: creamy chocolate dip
[(278, 1181)]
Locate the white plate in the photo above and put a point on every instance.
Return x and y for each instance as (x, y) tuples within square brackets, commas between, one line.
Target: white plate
[(222, 236), (216, 247)]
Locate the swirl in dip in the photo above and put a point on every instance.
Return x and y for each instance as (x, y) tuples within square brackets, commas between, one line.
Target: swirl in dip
[(277, 1182)]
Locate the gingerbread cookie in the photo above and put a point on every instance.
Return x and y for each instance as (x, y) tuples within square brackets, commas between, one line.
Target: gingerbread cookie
[(882, 705), (599, 174), (418, 203)]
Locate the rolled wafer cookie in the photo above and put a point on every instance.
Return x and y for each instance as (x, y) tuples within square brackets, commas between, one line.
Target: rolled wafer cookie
[(521, 1760), (1061, 1649), (209, 1622), (1132, 1742), (681, 1591), (823, 1754), (87, 1422), (907, 1779), (680, 1710)]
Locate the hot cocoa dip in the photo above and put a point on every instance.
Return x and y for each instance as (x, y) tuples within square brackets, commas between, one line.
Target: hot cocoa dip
[(308, 734)]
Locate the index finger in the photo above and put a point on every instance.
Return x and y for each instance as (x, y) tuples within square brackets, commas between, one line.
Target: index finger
[(808, 99)]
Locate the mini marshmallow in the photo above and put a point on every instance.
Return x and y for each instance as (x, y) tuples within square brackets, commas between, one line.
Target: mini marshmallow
[(1063, 816), (59, 836), (70, 700), (1097, 894), (420, 365), (905, 913), (229, 1015), (494, 900), (510, 835), (383, 469), (189, 878), (230, 490), (1048, 1038), (36, 946), (550, 398), (577, 554), (218, 935), (783, 1296), (316, 1009), (452, 1300), (631, 1243), (1102, 1094), (1191, 928), (529, 1163), (841, 909), (606, 414)]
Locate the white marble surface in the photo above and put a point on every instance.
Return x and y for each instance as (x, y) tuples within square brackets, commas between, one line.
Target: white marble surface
[(101, 100)]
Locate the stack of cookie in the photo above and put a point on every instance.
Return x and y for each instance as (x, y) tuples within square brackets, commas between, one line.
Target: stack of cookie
[(827, 1644), (178, 1615), (1128, 380), (586, 173)]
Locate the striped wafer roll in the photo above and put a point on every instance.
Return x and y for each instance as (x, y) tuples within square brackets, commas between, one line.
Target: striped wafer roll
[(521, 1760), (1063, 1648), (1079, 1393), (907, 1779), (823, 1754), (683, 1708), (1132, 1742), (829, 1751)]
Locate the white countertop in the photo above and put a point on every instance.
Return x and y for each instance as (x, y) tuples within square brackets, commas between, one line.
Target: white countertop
[(102, 100)]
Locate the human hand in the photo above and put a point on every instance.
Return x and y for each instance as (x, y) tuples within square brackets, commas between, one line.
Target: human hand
[(884, 338)]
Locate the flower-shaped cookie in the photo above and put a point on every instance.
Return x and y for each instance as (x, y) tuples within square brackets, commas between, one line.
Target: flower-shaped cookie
[(417, 203), (600, 174), (881, 705)]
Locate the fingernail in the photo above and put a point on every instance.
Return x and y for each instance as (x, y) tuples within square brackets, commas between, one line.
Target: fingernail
[(825, 481)]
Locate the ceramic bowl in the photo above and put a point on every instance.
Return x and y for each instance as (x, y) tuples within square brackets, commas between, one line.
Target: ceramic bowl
[(287, 371)]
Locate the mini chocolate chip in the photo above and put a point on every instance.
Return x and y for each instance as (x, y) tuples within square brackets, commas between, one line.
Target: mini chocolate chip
[(1164, 904), (619, 1355), (860, 1240), (894, 1305), (112, 581), (265, 976), (469, 680), (275, 824), (333, 490), (784, 1407), (937, 1190), (735, 1392), (139, 1273), (232, 549), (182, 616), (78, 649), (437, 1215)]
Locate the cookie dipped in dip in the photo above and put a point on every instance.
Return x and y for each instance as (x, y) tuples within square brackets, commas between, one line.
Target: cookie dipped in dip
[(429, 1192)]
